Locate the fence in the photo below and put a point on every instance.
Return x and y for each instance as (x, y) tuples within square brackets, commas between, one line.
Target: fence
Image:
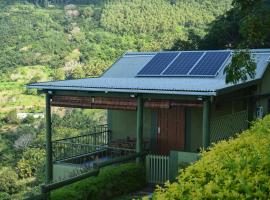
[(76, 165), (83, 144), (157, 169), (227, 126)]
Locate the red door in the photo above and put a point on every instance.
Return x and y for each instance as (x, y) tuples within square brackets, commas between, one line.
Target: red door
[(171, 130)]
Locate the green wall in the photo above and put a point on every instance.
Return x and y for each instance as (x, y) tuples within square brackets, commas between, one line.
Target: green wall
[(263, 89), (123, 123), (180, 159), (193, 129)]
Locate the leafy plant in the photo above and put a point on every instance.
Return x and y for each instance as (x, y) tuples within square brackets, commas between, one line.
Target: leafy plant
[(241, 68), (8, 181), (31, 163), (12, 118), (112, 181), (234, 169)]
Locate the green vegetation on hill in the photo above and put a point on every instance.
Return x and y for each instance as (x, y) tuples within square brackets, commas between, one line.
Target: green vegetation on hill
[(14, 95), (246, 25), (234, 169), (84, 40)]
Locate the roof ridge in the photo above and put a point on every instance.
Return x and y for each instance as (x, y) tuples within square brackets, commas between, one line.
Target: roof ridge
[(265, 50)]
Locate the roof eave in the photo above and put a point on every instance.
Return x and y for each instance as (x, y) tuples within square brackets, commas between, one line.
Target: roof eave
[(117, 90), (237, 87)]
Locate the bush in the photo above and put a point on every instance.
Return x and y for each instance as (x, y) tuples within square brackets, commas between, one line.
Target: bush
[(8, 182), (4, 196), (32, 163), (11, 117), (29, 119), (112, 181), (234, 169)]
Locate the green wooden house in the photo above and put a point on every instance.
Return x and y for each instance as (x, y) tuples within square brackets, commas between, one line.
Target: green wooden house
[(165, 105)]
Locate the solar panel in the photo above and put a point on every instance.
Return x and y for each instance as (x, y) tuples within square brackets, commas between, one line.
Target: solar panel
[(183, 63), (210, 63), (157, 64)]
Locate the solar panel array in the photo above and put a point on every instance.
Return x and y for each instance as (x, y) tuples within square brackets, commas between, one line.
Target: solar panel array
[(210, 63), (183, 63), (158, 63), (196, 63)]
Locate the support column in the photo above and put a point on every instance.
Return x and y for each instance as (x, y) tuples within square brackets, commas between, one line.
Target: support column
[(206, 123), (139, 133), (49, 163), (250, 108)]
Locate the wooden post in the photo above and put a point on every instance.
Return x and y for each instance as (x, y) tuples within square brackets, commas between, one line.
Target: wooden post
[(206, 123), (49, 164), (139, 127)]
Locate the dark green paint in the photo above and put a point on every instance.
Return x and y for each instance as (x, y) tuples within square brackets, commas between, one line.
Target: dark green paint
[(109, 119), (49, 163), (206, 124), (187, 129), (139, 131), (173, 165), (153, 135)]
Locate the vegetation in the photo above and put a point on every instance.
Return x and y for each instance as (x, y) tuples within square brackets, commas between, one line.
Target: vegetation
[(22, 148), (111, 181), (63, 39), (235, 70), (93, 35), (246, 25), (234, 169)]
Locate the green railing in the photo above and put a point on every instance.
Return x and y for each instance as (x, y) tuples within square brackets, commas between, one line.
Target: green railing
[(83, 158), (93, 153), (80, 145)]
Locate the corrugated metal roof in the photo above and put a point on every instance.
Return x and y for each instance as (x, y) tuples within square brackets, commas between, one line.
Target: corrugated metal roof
[(121, 77)]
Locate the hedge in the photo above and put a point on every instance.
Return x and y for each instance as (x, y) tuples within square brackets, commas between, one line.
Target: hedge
[(112, 181), (234, 169)]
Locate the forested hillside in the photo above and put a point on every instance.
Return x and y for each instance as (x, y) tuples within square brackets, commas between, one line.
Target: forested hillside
[(84, 39)]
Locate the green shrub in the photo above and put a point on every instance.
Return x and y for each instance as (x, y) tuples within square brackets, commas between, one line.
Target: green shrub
[(234, 169), (112, 181), (29, 119), (4, 196), (8, 182), (11, 117), (31, 163)]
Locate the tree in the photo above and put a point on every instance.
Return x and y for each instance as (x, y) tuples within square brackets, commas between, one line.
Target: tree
[(246, 25), (241, 68)]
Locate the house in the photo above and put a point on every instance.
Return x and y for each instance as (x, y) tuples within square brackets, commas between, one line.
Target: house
[(167, 104)]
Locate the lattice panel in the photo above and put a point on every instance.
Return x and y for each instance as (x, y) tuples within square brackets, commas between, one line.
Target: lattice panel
[(228, 125)]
